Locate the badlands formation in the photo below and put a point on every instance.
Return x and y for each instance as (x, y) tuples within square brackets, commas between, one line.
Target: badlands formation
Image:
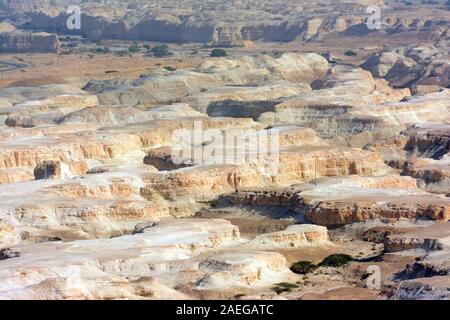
[(95, 203), (235, 22)]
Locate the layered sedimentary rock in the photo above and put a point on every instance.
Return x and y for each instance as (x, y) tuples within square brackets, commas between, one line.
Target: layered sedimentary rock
[(357, 104), (428, 276), (85, 150), (434, 237), (422, 152), (15, 41), (338, 201), (293, 237), (415, 66), (243, 79), (28, 107), (49, 169), (296, 164), (94, 207), (234, 23), (110, 187), (76, 267)]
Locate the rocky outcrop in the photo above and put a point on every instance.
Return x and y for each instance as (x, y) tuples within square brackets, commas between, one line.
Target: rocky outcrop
[(245, 79), (296, 164), (295, 236), (428, 276), (422, 152), (82, 208), (412, 67), (435, 237), (339, 201), (15, 41), (114, 191), (48, 170), (211, 23), (62, 274), (85, 150), (344, 106)]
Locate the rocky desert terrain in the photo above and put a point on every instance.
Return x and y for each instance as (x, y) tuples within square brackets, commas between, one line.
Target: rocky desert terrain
[(317, 163)]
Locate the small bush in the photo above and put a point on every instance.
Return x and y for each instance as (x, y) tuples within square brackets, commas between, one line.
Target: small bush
[(277, 54), (287, 285), (216, 53), (160, 51), (121, 53), (169, 68), (284, 287), (134, 48), (303, 267), (102, 50), (214, 203), (350, 53), (336, 260)]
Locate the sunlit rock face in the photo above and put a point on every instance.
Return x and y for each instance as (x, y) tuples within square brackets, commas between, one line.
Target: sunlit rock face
[(339, 201), (234, 24), (15, 41), (417, 67), (248, 176), (422, 152)]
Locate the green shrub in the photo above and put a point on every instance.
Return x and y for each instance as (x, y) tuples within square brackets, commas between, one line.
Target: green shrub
[(336, 260), (121, 53), (214, 203), (284, 287), (277, 54), (102, 50), (160, 51), (169, 68), (303, 267), (350, 53), (218, 53), (287, 285), (134, 48)]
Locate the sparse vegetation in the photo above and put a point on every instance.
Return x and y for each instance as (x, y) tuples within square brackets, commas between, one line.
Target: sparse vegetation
[(217, 53), (169, 68), (303, 267), (284, 287), (336, 260), (160, 51), (102, 50), (134, 48), (350, 53), (121, 53), (277, 54), (214, 203)]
